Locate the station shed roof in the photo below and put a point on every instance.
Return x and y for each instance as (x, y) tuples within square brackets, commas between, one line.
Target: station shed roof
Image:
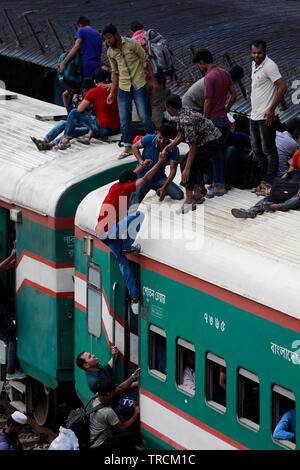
[(40, 32)]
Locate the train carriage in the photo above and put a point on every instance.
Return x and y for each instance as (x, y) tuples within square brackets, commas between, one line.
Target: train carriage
[(222, 291), (39, 194)]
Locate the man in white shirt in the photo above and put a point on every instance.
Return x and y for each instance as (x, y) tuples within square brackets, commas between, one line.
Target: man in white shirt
[(268, 89)]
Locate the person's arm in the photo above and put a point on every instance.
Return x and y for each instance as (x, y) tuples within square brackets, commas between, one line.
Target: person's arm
[(127, 384), (154, 82), (206, 107), (8, 262), (178, 139), (115, 353), (222, 380), (270, 113), (232, 98), (123, 427), (71, 54), (161, 192), (186, 172), (161, 159), (83, 105), (136, 152), (114, 84), (282, 429)]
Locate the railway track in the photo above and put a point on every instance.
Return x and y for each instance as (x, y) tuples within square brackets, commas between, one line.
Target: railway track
[(33, 437)]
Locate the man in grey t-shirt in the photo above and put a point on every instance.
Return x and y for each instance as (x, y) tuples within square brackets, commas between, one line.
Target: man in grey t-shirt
[(107, 432), (194, 97)]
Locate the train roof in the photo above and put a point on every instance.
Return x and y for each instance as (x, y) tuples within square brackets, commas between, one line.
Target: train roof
[(36, 180), (255, 258)]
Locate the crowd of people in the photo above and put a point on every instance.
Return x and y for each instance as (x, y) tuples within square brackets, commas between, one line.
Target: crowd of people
[(103, 105)]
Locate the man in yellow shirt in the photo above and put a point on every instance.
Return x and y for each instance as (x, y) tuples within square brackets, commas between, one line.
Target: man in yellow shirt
[(128, 59)]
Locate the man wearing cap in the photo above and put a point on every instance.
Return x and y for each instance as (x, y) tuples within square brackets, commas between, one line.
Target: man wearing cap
[(9, 439)]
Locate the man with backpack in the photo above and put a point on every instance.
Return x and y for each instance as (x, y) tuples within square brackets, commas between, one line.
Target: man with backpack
[(89, 42), (127, 59), (155, 46), (107, 432)]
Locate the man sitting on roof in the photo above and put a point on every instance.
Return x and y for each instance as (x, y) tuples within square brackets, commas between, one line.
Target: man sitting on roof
[(53, 137), (106, 122), (152, 145), (116, 228)]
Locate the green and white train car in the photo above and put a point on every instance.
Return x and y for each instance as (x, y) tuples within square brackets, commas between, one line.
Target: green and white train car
[(39, 195), (222, 290)]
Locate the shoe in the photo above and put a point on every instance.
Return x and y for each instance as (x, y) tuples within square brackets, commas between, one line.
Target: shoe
[(242, 214), (135, 250), (18, 374), (210, 193)]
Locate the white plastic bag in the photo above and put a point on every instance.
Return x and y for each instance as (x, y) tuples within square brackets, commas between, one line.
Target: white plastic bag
[(66, 440)]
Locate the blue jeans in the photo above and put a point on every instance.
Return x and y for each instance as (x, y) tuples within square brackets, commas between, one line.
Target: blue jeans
[(113, 238), (218, 162), (59, 128), (290, 204), (140, 98), (172, 190), (87, 120)]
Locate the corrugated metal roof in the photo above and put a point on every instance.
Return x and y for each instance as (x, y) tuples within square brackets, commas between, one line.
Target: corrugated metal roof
[(250, 257), (221, 26), (36, 180)]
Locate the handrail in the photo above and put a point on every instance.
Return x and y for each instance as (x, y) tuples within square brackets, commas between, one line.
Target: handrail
[(114, 326)]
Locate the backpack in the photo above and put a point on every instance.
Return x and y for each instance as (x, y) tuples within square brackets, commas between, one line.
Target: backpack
[(161, 57), (285, 188), (71, 76), (128, 401), (78, 421)]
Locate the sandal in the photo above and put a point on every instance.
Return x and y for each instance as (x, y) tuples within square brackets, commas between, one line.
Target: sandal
[(84, 140), (41, 145), (62, 146), (187, 207), (124, 155)]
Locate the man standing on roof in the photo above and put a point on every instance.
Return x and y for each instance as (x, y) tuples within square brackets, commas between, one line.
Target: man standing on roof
[(204, 140), (156, 98), (128, 59), (116, 228), (268, 89), (89, 41), (217, 85)]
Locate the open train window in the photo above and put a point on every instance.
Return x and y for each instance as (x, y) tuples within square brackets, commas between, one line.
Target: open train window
[(248, 398), (283, 417), (157, 352), (94, 299), (216, 382), (185, 366)]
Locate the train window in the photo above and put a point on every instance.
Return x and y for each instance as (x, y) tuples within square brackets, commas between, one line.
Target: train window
[(248, 399), (94, 299), (185, 366), (157, 352), (216, 382), (283, 417)]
